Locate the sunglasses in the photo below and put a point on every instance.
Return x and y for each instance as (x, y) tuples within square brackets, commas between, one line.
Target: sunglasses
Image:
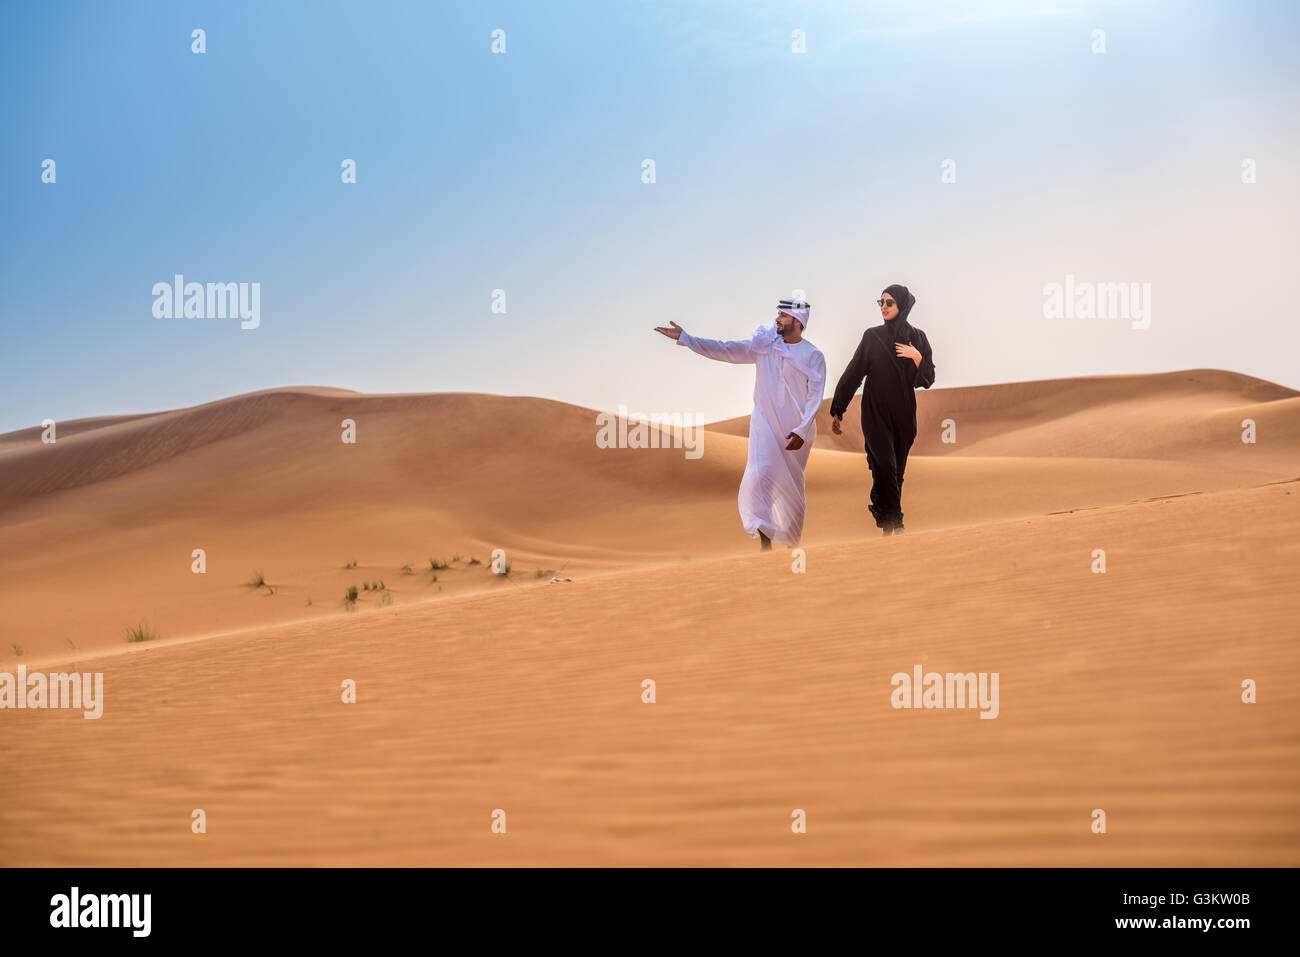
[(884, 302)]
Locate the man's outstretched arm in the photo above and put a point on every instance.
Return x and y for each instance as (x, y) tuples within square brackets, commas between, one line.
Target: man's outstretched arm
[(734, 351)]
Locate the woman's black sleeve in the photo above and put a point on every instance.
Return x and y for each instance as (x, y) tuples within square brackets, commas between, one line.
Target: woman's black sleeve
[(925, 371), (853, 375)]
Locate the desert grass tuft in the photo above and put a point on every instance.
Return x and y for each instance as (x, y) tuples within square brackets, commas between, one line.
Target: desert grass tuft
[(257, 581), (140, 632)]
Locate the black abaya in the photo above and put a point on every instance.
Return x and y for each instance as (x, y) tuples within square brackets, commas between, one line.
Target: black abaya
[(888, 403)]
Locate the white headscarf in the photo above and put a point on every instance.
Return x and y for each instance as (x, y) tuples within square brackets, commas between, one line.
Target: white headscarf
[(796, 309)]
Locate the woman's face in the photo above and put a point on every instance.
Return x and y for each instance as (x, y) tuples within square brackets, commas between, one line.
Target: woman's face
[(889, 309)]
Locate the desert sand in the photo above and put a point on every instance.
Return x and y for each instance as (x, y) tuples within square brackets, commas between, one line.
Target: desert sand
[(1119, 691)]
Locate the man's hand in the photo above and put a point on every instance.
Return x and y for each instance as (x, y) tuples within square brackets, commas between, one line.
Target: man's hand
[(672, 333), (795, 443), (835, 424), (907, 349)]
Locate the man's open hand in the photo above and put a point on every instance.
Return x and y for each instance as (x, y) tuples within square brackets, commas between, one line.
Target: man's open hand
[(675, 332), (795, 443), (835, 424)]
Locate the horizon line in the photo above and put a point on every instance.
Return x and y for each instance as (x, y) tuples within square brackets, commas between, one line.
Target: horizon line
[(499, 395)]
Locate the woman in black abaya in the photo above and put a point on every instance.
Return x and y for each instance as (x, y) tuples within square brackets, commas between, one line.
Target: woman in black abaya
[(895, 358)]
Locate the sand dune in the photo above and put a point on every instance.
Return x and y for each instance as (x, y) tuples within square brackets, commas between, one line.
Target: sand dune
[(478, 691)]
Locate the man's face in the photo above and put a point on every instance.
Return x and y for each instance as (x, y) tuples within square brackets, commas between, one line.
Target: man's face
[(784, 323)]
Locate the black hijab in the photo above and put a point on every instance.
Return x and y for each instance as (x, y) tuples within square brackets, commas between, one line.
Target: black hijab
[(897, 327)]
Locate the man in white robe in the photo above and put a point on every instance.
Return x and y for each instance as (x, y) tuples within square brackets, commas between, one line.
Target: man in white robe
[(788, 388)]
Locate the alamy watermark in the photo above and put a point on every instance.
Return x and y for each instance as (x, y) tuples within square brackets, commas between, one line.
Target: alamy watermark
[(653, 430), (75, 909), (179, 299), (951, 690), (1098, 300), (56, 690)]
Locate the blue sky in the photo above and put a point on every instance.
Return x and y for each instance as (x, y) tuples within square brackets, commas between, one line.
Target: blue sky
[(775, 171)]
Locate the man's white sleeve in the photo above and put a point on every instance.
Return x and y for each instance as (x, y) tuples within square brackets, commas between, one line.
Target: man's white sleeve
[(813, 402), (733, 351)]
